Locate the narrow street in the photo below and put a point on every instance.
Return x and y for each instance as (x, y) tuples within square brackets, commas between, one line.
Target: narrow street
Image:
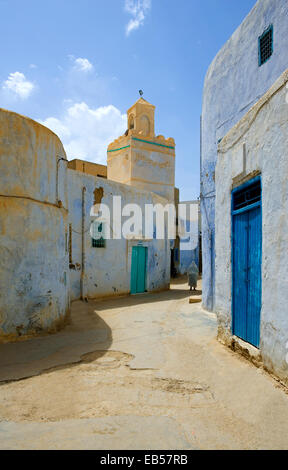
[(140, 372)]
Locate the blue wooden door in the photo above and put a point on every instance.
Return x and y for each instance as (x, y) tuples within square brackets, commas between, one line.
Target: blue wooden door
[(254, 276), (240, 251), (247, 261), (138, 269)]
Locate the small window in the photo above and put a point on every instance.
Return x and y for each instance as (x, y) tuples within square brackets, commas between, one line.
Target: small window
[(247, 196), (266, 46), (98, 237)]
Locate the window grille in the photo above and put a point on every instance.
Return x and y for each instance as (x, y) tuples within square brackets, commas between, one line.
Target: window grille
[(266, 45), (247, 196), (98, 237)]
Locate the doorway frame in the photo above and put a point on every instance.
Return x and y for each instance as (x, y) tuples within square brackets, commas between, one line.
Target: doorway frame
[(234, 213), (131, 268)]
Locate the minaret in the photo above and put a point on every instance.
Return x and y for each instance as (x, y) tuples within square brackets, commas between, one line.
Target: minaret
[(139, 158), (141, 118)]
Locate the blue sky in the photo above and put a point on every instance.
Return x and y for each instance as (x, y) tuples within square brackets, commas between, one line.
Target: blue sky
[(77, 66)]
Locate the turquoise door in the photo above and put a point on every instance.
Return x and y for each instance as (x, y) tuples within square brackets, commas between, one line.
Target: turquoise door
[(138, 269), (247, 261)]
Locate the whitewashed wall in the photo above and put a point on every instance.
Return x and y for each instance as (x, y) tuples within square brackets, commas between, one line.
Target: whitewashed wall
[(262, 135), (33, 227), (108, 270), (234, 83)]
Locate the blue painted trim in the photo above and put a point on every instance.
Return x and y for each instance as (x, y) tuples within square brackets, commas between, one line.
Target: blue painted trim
[(245, 185), (232, 263), (116, 150), (153, 143), (272, 45), (232, 266), (247, 208)]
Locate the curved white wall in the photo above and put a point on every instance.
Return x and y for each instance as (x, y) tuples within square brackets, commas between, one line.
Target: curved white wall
[(33, 226)]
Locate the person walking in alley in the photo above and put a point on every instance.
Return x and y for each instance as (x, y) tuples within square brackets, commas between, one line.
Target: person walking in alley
[(193, 273)]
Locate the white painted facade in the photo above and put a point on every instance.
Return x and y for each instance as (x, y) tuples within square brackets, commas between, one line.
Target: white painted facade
[(108, 269), (46, 253), (258, 144), (234, 83)]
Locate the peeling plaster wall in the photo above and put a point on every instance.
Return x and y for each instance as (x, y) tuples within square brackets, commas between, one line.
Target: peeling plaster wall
[(234, 82), (108, 270), (33, 256), (264, 131)]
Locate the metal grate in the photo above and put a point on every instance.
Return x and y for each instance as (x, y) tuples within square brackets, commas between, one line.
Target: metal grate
[(266, 46), (247, 196), (97, 232)]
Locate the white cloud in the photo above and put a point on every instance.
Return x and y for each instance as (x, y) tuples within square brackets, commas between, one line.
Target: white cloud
[(138, 9), (18, 85), (83, 65), (86, 132)]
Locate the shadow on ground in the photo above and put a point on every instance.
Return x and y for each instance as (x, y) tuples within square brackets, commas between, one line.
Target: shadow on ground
[(86, 333), (176, 292)]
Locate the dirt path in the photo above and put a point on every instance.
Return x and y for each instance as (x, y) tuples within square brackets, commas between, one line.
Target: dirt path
[(139, 372)]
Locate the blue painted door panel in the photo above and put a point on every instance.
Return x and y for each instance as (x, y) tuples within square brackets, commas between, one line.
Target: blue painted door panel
[(141, 275), (134, 269), (138, 269), (254, 276), (247, 281), (240, 251)]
